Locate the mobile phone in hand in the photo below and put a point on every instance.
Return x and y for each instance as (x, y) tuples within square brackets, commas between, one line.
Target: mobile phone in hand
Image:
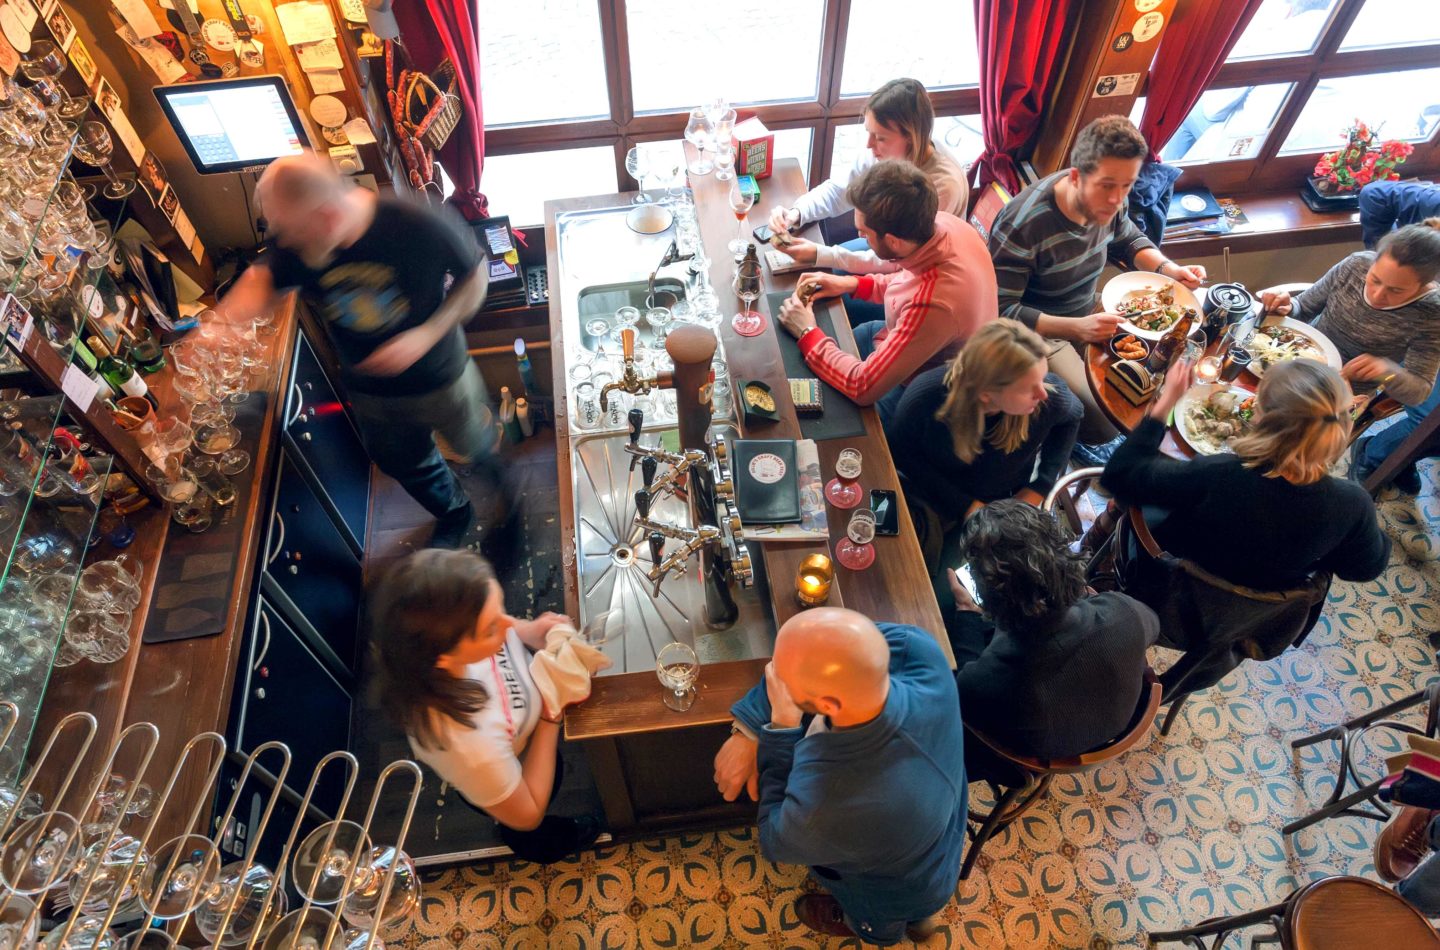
[(763, 234)]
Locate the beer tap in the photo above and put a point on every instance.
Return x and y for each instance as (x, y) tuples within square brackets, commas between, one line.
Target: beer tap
[(631, 380)]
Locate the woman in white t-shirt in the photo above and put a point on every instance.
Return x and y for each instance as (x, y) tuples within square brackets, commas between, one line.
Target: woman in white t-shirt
[(454, 670)]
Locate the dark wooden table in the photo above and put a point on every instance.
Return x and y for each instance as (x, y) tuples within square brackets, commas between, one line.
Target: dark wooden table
[(652, 765), (1125, 415)]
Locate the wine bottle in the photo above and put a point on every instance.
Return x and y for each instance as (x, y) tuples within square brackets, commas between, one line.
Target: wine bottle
[(81, 358), (1172, 344), (118, 372)]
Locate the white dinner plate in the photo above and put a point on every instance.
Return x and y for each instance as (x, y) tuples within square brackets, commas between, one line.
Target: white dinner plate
[(1122, 286), (1332, 355), (1198, 394)]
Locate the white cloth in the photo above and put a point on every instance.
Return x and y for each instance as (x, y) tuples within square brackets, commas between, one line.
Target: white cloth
[(483, 760), (562, 670)]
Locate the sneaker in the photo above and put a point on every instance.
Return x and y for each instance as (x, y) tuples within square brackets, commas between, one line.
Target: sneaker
[(452, 527), (1403, 842), (822, 914), (501, 543), (1359, 471)]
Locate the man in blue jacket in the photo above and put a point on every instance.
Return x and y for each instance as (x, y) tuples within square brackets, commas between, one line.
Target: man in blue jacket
[(1386, 205), (861, 774)]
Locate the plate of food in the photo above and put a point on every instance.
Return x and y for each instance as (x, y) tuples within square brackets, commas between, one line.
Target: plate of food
[(1280, 341), (1212, 415), (1150, 303)]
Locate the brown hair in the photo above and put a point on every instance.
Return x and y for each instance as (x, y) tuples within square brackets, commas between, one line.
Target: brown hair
[(1110, 136), (997, 355), (896, 199), (903, 105), (1303, 423), (1416, 246), (422, 608)]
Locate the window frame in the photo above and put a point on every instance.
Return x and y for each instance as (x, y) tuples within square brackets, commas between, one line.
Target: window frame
[(623, 128), (1270, 170)]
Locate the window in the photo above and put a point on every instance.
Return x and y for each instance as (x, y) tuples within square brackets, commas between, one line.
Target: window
[(960, 134), (1227, 125), (1283, 26), (666, 158), (568, 85), (1401, 105), (1384, 23)]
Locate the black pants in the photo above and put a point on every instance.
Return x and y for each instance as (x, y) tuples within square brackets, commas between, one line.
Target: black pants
[(969, 634), (554, 838)]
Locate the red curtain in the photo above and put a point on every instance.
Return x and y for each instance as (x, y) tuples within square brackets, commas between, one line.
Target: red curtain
[(1021, 42), (1200, 35), (432, 31)]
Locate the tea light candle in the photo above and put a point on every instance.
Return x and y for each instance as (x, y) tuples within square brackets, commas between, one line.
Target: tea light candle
[(1207, 370), (812, 582)]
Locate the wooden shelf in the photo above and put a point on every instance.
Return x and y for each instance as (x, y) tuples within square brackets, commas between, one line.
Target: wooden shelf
[(1275, 221)]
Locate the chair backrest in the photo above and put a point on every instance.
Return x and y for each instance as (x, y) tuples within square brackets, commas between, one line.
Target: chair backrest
[(1343, 913), (985, 207)]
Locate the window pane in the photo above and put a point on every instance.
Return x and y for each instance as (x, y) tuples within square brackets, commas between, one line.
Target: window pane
[(669, 154), (942, 52), (541, 60), (519, 185), (1394, 23), (959, 134), (682, 55), (1284, 26), (1403, 105), (1227, 125)]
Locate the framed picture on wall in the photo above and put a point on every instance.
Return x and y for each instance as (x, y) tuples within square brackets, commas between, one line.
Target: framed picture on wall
[(169, 203), (83, 62), (61, 27)]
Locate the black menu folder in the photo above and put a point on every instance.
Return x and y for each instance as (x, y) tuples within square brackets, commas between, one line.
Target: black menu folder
[(767, 484)]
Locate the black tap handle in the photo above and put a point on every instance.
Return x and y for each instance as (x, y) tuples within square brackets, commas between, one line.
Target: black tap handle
[(642, 503), (647, 470), (657, 547), (637, 419)]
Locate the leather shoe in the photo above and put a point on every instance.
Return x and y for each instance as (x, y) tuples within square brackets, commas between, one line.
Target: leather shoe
[(822, 914), (1403, 842), (920, 931), (452, 527)]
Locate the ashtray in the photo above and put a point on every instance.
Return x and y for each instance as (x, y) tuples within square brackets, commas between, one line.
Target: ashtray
[(757, 401)]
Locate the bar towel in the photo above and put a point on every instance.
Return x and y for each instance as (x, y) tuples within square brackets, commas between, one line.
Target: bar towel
[(563, 669)]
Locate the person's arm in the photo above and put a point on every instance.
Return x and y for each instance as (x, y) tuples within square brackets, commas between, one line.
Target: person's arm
[(852, 262), (525, 808), (1014, 260), (1138, 473), (1055, 450), (400, 352), (252, 294), (1379, 207), (1310, 302), (1151, 259), (827, 199), (1365, 552)]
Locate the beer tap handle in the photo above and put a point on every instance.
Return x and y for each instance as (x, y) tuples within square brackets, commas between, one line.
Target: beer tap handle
[(657, 547), (647, 470), (637, 420), (627, 344), (642, 503)]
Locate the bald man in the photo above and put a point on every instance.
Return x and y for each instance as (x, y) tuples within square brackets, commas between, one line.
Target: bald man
[(393, 282), (854, 747)]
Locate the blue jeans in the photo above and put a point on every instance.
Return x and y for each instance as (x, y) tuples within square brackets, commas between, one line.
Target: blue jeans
[(1379, 447), (861, 311), (1421, 886), (887, 404)]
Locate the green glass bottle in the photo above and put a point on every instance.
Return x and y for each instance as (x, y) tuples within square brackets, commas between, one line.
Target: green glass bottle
[(118, 372)]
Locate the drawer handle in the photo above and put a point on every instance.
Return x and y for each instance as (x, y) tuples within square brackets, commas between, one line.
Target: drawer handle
[(265, 623), (276, 522), (299, 405)]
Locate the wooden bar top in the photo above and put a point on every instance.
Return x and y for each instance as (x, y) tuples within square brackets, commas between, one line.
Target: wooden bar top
[(895, 588), (184, 686)]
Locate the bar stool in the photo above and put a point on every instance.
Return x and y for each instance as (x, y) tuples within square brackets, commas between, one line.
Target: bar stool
[(1039, 773), (1335, 913)]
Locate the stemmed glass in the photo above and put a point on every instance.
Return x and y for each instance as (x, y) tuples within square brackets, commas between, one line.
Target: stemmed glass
[(700, 132), (361, 907), (678, 668), (638, 165), (93, 146), (254, 883), (44, 63), (725, 145), (180, 877), (40, 853), (857, 551), (741, 201), (843, 491), (325, 860), (749, 321)]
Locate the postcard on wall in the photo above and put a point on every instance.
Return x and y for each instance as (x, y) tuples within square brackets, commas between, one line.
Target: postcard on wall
[(61, 27), (197, 250), (183, 228), (83, 62), (47, 7), (305, 22), (109, 103), (138, 17), (153, 178), (325, 81), (169, 203), (322, 55)]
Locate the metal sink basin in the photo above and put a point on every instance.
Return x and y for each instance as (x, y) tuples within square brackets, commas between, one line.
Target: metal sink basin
[(601, 302), (612, 558)]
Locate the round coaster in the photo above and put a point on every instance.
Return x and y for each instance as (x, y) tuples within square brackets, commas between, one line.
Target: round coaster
[(843, 496), (14, 29), (218, 34), (198, 56), (328, 111), (856, 557), (749, 323), (335, 135)]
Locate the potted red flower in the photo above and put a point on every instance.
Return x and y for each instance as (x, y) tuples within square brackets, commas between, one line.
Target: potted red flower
[(1339, 175)]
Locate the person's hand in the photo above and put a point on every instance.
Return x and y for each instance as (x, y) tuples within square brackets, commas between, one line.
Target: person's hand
[(736, 768), (963, 601), (783, 711), (803, 251), (1277, 303), (1191, 275), (1366, 368), (398, 353), (1177, 380), (533, 632), (796, 317), (831, 285), (1096, 328), (783, 219)]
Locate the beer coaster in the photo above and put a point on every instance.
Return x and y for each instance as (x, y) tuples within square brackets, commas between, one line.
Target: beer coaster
[(218, 34), (751, 323)]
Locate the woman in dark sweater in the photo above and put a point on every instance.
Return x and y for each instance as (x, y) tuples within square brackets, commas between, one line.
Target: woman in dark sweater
[(1268, 515), (990, 425)]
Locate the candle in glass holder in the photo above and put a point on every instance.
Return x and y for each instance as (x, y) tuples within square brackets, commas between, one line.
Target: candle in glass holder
[(812, 582), (1207, 370)]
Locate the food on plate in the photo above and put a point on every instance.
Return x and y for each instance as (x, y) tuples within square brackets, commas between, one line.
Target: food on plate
[(1272, 345), (1151, 308), (1212, 423), (1129, 348)]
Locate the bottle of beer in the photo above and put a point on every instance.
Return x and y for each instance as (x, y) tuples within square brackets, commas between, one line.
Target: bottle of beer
[(1172, 344), (751, 256)]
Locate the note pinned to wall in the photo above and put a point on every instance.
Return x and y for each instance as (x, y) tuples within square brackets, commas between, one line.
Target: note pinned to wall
[(305, 22), (165, 66), (358, 132), (322, 55), (183, 228), (326, 81), (138, 17)]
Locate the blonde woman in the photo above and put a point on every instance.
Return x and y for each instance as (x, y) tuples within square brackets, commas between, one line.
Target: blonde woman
[(992, 424), (1268, 515)]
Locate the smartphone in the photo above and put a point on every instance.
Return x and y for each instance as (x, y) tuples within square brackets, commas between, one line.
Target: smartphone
[(887, 515), (763, 234), (967, 581)]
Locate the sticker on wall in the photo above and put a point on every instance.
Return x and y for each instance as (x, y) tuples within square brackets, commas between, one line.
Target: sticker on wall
[(218, 35), (169, 203), (1120, 84), (1145, 6), (252, 53), (1123, 42), (1148, 27)]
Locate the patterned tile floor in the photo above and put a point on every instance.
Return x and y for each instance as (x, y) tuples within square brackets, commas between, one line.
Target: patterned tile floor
[(1181, 829)]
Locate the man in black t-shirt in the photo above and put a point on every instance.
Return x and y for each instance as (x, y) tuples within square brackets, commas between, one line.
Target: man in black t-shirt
[(393, 283)]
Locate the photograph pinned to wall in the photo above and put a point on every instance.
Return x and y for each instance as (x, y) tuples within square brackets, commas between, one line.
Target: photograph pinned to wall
[(83, 62), (108, 102), (370, 45), (47, 7), (169, 203), (61, 27), (153, 178)]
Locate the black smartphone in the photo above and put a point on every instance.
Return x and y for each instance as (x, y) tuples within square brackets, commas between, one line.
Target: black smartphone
[(763, 234), (887, 515)]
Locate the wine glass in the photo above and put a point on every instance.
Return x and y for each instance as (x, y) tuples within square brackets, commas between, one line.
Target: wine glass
[(604, 627), (749, 321), (700, 132), (19, 923), (88, 933), (180, 877), (103, 870), (843, 491), (255, 883), (362, 907), (678, 667), (741, 201), (324, 862), (148, 940), (724, 144), (637, 163), (40, 853), (309, 928), (857, 551), (93, 146)]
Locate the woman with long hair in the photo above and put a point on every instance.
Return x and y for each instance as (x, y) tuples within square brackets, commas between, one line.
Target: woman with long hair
[(453, 669), (1269, 514), (992, 424)]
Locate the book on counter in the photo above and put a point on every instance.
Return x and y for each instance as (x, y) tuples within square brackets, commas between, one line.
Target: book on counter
[(813, 525)]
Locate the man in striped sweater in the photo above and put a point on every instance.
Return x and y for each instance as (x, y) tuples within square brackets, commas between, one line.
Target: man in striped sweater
[(942, 292), (1051, 242)]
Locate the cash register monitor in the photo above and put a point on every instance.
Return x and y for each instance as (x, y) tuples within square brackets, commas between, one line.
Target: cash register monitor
[(234, 125)]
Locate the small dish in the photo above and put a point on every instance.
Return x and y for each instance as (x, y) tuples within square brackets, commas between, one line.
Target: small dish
[(1134, 351)]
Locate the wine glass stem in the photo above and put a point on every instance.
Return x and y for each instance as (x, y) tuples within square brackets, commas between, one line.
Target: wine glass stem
[(110, 173)]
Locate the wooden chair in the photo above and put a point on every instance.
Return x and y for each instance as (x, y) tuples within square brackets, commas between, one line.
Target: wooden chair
[(1015, 801), (1334, 913), (1066, 493)]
